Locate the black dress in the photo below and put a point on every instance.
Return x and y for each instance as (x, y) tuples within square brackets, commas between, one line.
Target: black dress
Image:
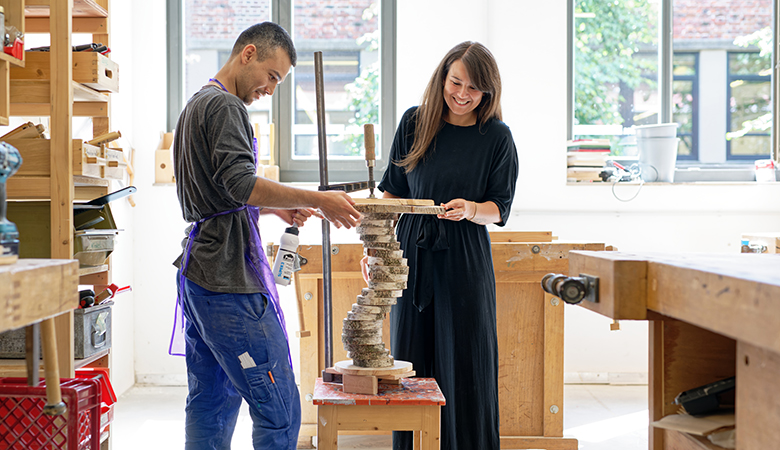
[(445, 323)]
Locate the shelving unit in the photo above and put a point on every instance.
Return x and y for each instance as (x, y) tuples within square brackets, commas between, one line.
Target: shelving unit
[(60, 170)]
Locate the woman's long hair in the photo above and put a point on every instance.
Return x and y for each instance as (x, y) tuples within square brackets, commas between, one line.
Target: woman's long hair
[(483, 72)]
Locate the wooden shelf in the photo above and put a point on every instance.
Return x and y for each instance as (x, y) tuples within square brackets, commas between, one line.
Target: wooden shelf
[(83, 271), (15, 61), (81, 8), (79, 363), (685, 441)]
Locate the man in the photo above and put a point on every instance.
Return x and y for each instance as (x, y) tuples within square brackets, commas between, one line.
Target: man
[(235, 341)]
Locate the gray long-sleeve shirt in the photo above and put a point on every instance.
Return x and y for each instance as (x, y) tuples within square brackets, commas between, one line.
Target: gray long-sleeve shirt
[(215, 170)]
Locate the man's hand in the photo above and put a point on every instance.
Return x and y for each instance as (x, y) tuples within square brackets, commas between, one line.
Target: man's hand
[(336, 207), (295, 216)]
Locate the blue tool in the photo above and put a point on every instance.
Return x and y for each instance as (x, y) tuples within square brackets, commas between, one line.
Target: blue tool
[(10, 160)]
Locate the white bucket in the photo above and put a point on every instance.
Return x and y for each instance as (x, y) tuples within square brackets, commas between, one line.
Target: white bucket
[(668, 130), (657, 158)]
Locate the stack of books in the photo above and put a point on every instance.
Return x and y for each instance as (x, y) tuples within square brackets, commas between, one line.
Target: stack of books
[(585, 159)]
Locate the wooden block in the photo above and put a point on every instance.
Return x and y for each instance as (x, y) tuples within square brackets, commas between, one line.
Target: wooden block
[(360, 384), (348, 368), (398, 376), (271, 172), (163, 167), (614, 326), (398, 208)]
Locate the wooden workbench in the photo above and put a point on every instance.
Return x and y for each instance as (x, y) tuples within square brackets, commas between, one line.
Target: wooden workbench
[(712, 317), (530, 332)]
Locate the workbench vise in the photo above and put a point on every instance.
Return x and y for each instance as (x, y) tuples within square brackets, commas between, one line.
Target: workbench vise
[(572, 290), (10, 160)]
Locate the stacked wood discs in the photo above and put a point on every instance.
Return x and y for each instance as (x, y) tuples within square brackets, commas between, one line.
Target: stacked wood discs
[(387, 271)]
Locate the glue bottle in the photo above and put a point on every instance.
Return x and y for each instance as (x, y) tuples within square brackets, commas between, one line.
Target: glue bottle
[(285, 256)]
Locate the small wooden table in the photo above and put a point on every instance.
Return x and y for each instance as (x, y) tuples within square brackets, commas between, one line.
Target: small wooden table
[(414, 405)]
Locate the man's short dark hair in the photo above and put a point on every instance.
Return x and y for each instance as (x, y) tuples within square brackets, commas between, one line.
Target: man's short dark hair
[(266, 37)]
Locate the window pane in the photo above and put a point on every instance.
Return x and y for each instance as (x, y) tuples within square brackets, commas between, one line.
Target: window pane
[(347, 34), (209, 35), (615, 69), (685, 103), (734, 40)]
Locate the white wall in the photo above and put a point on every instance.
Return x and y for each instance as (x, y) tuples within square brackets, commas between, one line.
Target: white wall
[(529, 42)]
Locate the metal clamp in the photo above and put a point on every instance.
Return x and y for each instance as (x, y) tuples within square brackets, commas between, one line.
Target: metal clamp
[(572, 290)]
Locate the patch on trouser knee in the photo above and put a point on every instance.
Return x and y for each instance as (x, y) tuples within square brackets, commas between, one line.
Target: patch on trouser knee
[(246, 361)]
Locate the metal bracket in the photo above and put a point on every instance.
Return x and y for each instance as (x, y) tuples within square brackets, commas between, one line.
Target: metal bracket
[(592, 294)]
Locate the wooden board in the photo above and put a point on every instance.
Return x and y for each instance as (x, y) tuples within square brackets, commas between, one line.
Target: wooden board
[(399, 209), (393, 201), (757, 420), (735, 295), (36, 289), (346, 367), (521, 236)]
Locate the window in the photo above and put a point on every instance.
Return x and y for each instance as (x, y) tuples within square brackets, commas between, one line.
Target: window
[(355, 38), (713, 78)]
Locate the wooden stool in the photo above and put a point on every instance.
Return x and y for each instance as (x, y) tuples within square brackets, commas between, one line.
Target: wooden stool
[(414, 405)]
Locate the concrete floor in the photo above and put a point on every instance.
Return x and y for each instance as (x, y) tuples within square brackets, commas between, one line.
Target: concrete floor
[(601, 417)]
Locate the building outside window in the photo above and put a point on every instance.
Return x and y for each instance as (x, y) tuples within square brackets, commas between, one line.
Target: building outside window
[(347, 32), (721, 75)]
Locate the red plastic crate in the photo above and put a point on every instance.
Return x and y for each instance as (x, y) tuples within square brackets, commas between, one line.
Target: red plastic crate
[(23, 425), (107, 395)]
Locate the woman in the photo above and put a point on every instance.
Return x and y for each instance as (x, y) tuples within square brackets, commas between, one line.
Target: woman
[(453, 149)]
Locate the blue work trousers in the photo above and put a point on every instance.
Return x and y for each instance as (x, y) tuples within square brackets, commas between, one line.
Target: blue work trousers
[(235, 349)]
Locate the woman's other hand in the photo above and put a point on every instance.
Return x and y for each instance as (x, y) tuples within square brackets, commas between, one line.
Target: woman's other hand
[(458, 209)]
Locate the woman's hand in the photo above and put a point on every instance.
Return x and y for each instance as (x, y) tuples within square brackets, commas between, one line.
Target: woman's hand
[(459, 209), (364, 268), (295, 216)]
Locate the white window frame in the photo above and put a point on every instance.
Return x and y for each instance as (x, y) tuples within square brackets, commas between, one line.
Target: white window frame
[(282, 105), (665, 66)]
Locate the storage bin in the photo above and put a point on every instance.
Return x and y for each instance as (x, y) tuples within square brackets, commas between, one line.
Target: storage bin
[(24, 426), (88, 160), (91, 330), (89, 68)]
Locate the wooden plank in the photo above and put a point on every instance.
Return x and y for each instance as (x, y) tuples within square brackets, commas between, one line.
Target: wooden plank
[(520, 329), (97, 278), (28, 188), (327, 427), (36, 289), (520, 236), (622, 282), (552, 403), (526, 262), (80, 109), (89, 68), (538, 442), (87, 25), (346, 260), (309, 348), (80, 8), (61, 65), (385, 418), (35, 91), (676, 440), (735, 296), (430, 434), (656, 381), (5, 98), (758, 398), (393, 201)]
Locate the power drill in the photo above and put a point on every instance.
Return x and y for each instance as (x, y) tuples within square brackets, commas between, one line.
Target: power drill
[(10, 160)]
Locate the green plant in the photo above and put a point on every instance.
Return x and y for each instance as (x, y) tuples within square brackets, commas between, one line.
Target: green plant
[(763, 40), (363, 93), (608, 36)]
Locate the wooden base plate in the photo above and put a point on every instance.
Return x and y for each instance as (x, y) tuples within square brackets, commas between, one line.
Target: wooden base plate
[(346, 367)]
